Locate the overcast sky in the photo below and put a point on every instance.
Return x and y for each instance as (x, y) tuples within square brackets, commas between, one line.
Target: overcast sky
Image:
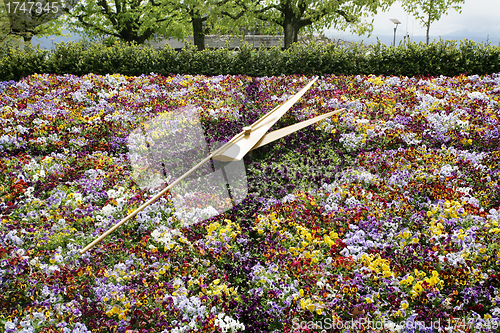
[(479, 18)]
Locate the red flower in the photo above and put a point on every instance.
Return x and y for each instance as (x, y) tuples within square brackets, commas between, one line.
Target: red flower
[(3, 252)]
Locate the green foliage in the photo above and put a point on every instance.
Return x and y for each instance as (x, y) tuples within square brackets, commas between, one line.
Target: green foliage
[(439, 58), (308, 55), (242, 58), (429, 11), (293, 17), (303, 169), (169, 61), (16, 62), (214, 62), (5, 27), (200, 18), (66, 58), (12, 32), (127, 20)]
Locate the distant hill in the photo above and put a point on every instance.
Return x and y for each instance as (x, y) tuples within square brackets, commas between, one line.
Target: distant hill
[(388, 39), (475, 36), (46, 42)]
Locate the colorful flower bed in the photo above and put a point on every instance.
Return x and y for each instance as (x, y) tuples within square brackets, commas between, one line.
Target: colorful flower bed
[(384, 218)]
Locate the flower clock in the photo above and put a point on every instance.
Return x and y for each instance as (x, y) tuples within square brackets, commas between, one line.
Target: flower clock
[(382, 218)]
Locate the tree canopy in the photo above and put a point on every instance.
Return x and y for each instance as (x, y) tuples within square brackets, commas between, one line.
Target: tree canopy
[(27, 19), (429, 11), (293, 15), (141, 20), (129, 20), (211, 16)]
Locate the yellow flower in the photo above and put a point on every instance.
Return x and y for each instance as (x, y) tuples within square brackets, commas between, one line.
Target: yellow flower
[(417, 288), (307, 304), (116, 309)]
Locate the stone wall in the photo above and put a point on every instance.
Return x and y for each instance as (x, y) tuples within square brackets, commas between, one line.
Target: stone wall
[(218, 41)]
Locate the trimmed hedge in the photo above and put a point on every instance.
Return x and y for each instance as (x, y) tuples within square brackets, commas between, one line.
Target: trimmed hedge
[(439, 58)]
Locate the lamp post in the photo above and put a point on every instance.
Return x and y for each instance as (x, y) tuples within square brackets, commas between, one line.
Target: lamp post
[(396, 22)]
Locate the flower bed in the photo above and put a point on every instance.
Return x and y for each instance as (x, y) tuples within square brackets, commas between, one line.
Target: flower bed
[(385, 216)]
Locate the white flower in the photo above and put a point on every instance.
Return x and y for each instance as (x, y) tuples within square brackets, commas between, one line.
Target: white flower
[(477, 95), (288, 198), (29, 191), (494, 215), (40, 316), (35, 261), (58, 258), (108, 210), (111, 193), (408, 138), (351, 141), (9, 326), (447, 170), (12, 236), (227, 323), (53, 269)]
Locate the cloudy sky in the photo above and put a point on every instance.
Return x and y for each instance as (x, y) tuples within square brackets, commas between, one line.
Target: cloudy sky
[(479, 18)]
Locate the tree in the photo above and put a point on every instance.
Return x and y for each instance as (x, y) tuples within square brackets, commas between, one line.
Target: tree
[(428, 11), (141, 20), (5, 27), (195, 13), (199, 31), (221, 16), (28, 19), (294, 15), (129, 20)]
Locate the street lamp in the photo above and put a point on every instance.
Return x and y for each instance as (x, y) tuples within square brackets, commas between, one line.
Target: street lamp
[(52, 39), (396, 22)]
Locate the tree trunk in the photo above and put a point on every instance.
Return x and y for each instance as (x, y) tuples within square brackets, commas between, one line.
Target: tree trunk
[(27, 36), (198, 33), (427, 35), (287, 35), (129, 34), (142, 38), (428, 27), (291, 26)]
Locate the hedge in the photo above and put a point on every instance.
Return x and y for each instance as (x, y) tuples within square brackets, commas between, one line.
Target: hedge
[(413, 59)]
